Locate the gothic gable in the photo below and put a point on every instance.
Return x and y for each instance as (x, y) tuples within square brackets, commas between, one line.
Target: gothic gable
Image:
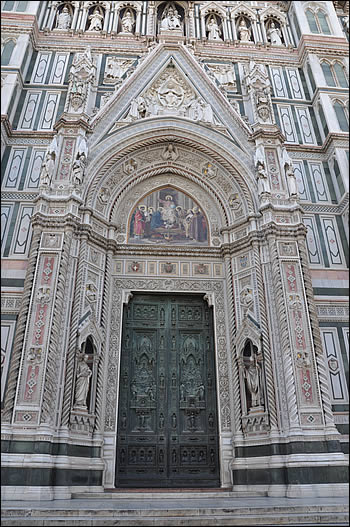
[(170, 82)]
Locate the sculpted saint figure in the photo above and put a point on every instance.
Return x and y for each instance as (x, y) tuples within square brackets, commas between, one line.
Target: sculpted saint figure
[(79, 169), (171, 19), (47, 169), (274, 35), (244, 32), (252, 375), (263, 182), (82, 382), (128, 22), (96, 21), (214, 30), (64, 19)]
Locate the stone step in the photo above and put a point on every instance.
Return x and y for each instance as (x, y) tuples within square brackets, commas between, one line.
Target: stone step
[(165, 494), (273, 520)]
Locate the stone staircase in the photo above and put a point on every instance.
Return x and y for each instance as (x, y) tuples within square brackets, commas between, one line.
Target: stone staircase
[(165, 508)]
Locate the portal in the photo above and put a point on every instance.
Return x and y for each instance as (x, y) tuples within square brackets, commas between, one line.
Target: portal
[(167, 421)]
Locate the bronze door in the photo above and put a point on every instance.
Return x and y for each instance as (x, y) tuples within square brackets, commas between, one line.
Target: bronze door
[(167, 421)]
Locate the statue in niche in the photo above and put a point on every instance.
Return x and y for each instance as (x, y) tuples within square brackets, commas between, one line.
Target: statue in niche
[(213, 29), (96, 23), (128, 22), (82, 382), (64, 19), (171, 19), (252, 376), (274, 35), (243, 31)]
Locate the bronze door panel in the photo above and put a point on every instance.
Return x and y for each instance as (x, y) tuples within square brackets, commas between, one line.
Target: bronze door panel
[(167, 422)]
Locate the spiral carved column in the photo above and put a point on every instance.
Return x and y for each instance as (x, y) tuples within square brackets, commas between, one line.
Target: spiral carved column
[(104, 324), (235, 372), (74, 321), (266, 342)]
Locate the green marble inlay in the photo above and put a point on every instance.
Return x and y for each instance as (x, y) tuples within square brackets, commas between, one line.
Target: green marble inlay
[(10, 235)]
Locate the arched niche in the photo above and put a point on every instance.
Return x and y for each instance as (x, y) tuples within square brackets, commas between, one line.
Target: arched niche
[(167, 216), (176, 22)]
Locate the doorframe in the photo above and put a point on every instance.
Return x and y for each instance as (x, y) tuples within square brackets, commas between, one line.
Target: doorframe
[(215, 294)]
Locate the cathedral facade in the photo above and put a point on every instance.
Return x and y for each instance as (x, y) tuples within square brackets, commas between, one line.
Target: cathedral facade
[(174, 247)]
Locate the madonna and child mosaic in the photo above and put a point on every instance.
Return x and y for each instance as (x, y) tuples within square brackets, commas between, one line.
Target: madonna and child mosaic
[(168, 216)]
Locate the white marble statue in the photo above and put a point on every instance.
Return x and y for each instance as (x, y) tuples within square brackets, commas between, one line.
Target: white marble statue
[(243, 31), (128, 22), (96, 23), (252, 375), (289, 172), (263, 181), (64, 19), (208, 116), (274, 35), (47, 169), (213, 29), (171, 19), (261, 175), (48, 166), (82, 383)]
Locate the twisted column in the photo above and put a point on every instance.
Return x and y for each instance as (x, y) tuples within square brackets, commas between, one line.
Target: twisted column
[(73, 333), (316, 336), (232, 326), (13, 375), (285, 343), (265, 341), (52, 365), (104, 323)]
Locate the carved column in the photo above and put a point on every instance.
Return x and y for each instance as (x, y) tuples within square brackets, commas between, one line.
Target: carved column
[(233, 27), (237, 426), (297, 339), (73, 333), (75, 16), (106, 19), (138, 22), (319, 352)]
